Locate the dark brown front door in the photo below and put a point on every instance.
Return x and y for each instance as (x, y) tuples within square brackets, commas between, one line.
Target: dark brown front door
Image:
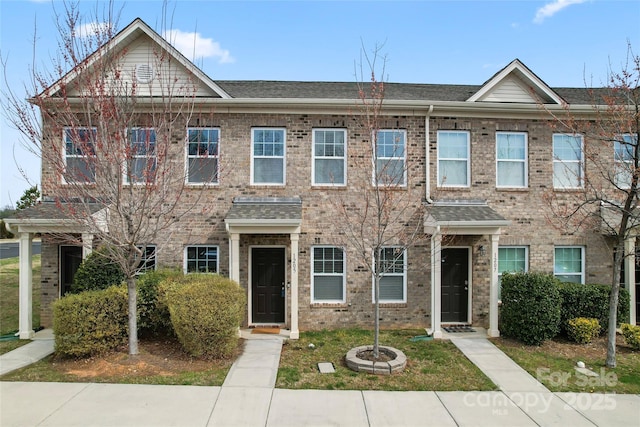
[(267, 285), (455, 285), (70, 259)]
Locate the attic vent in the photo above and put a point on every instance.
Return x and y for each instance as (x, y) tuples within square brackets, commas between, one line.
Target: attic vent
[(144, 73)]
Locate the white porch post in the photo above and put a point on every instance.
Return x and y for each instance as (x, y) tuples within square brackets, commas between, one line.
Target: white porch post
[(494, 331), (87, 244), (436, 295), (630, 275), (26, 288), (294, 332), (234, 257)]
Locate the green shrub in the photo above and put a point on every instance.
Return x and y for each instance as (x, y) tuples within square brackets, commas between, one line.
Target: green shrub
[(530, 309), (583, 329), (206, 311), (591, 300), (153, 314), (90, 322), (96, 272), (631, 335)]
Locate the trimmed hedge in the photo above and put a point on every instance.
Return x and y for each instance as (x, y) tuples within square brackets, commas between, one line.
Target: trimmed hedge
[(153, 314), (582, 329), (90, 322), (530, 309), (631, 335), (591, 300), (96, 272), (206, 311)]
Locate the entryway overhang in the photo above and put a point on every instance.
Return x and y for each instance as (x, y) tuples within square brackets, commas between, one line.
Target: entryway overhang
[(462, 217), (267, 215)]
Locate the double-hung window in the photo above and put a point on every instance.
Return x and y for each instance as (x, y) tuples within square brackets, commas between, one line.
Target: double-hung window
[(202, 155), (511, 159), (80, 155), (268, 156), (328, 278), (568, 263), (393, 279), (512, 259), (453, 159), (624, 148), (329, 157), (568, 163), (390, 158), (142, 159), (201, 259), (147, 259)]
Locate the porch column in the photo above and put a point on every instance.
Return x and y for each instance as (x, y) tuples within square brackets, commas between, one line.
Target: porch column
[(26, 288), (234, 257), (436, 295), (87, 244), (630, 275), (294, 332), (494, 331)]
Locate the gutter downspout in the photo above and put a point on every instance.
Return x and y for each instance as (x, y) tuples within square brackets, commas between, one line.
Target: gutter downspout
[(427, 189)]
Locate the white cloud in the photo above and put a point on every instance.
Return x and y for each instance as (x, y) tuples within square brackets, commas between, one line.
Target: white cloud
[(550, 9), (91, 29), (194, 46)]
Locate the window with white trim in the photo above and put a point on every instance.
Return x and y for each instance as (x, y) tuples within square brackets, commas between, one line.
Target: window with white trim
[(268, 156), (390, 157), (567, 161), (80, 155), (568, 263), (147, 259), (453, 159), (393, 280), (201, 259), (511, 159), (142, 159), (328, 279), (202, 155), (329, 166), (624, 148), (511, 259)]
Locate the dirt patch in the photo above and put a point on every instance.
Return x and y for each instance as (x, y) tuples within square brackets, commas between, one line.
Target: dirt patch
[(597, 349)]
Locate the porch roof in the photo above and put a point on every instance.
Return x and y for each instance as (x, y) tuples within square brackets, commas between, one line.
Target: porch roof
[(51, 217), (463, 217), (264, 215)]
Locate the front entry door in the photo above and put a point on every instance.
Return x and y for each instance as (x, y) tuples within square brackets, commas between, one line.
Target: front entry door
[(70, 259), (267, 285), (455, 285)]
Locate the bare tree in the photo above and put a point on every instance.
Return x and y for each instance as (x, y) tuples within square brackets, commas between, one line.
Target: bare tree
[(609, 200), (380, 217), (111, 139)]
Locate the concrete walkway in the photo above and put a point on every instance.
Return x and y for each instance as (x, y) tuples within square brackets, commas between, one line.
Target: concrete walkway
[(39, 348), (248, 398)]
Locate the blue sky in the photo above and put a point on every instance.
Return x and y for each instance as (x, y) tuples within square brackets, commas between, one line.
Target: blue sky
[(465, 42)]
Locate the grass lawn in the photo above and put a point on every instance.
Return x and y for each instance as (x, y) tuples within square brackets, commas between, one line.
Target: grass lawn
[(553, 364), (9, 294), (432, 365)]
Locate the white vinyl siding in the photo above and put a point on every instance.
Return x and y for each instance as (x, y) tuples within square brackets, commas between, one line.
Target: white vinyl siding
[(329, 166), (328, 279), (202, 155), (568, 263), (511, 159), (393, 280), (268, 156), (201, 259), (453, 159), (567, 161), (79, 155), (390, 158)]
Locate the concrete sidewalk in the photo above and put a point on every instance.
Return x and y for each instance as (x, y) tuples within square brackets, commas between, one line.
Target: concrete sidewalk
[(39, 348), (248, 398)]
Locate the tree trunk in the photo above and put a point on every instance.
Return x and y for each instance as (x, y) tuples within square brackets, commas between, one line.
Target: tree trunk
[(619, 256), (133, 313), (376, 323)]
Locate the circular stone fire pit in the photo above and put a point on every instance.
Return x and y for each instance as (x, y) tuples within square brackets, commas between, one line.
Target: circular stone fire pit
[(396, 363)]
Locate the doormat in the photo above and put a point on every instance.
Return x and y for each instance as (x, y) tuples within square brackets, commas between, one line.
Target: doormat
[(458, 328), (265, 331)]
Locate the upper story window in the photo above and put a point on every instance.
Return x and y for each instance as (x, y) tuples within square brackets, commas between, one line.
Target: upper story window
[(202, 155), (390, 157), (80, 155), (329, 274), (201, 259), (568, 263), (268, 156), (142, 158), (329, 157), (511, 159), (453, 159), (568, 161), (624, 148), (393, 280)]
